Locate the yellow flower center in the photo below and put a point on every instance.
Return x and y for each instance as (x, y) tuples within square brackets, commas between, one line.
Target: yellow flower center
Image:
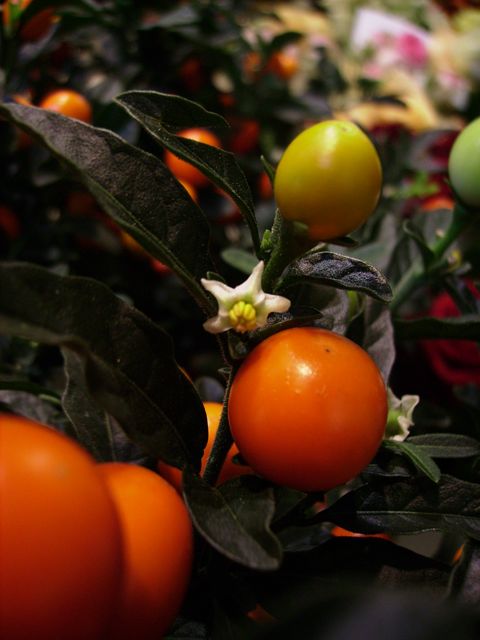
[(242, 316)]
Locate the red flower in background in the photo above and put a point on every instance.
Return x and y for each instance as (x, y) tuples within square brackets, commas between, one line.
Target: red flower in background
[(456, 362)]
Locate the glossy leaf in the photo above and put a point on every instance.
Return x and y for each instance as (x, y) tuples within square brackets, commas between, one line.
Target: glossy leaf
[(163, 115), (133, 186), (334, 269), (235, 519), (129, 361), (410, 506)]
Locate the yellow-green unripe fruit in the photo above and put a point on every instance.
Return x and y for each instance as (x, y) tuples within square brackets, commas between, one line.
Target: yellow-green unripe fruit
[(464, 165), (329, 178)]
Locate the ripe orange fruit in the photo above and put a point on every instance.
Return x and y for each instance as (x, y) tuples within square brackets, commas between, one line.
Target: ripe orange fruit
[(184, 171), (308, 409), (68, 103), (60, 539), (229, 470), (158, 549)]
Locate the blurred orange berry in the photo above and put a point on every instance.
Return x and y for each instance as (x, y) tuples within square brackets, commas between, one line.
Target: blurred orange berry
[(69, 103), (183, 170), (229, 470)]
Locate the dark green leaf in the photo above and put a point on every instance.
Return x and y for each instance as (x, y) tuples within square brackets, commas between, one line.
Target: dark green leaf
[(465, 582), (282, 40), (162, 115), (417, 236), (334, 269), (446, 445), (344, 241), (379, 252), (89, 6), (235, 519), (466, 327), (268, 168), (187, 630), (134, 187), (89, 421), (410, 506), (346, 568), (129, 361), (181, 16), (418, 456), (30, 387), (239, 259), (324, 306), (387, 614), (378, 336)]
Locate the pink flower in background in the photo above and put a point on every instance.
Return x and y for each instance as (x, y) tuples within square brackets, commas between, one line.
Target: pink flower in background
[(411, 50)]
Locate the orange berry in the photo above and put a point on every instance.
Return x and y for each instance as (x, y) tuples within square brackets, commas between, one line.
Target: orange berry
[(68, 103)]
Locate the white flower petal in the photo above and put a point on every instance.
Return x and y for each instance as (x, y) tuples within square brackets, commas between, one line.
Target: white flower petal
[(249, 292), (400, 416), (217, 324), (252, 286), (220, 290), (271, 304)]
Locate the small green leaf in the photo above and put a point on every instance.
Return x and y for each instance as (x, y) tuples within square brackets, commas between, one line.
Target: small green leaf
[(446, 445), (239, 259), (163, 115), (235, 519), (344, 272), (422, 461)]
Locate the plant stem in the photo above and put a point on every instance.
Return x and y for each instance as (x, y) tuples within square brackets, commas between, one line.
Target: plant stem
[(283, 242), (223, 441), (418, 273)]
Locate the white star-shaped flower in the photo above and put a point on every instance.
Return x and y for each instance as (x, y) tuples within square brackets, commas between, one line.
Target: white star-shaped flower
[(243, 308), (400, 411)]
